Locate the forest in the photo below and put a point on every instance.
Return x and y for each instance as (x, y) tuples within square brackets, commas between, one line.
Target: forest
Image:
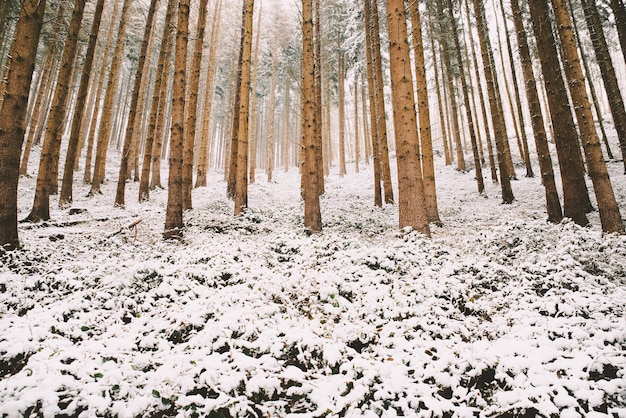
[(312, 208)]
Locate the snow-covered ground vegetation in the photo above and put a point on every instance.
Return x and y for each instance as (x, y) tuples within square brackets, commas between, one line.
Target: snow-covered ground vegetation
[(499, 314)]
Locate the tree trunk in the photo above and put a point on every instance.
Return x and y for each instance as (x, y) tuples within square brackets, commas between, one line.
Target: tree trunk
[(553, 204), (381, 123), (440, 101), (619, 11), (575, 193), (607, 205), (158, 101), (241, 182), (603, 58), (13, 115), (367, 149), (253, 105), (130, 127), (423, 107), (174, 213), (357, 139), (68, 173), (203, 160), (371, 81), (446, 54), (494, 103), (323, 151), (106, 124), (269, 168), (287, 123), (54, 128), (411, 201), (466, 98), (312, 212), (342, 112)]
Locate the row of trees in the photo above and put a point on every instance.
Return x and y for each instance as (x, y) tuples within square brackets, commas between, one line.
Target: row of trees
[(164, 87)]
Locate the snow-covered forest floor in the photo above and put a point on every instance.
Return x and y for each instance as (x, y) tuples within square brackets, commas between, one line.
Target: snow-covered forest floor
[(499, 314)]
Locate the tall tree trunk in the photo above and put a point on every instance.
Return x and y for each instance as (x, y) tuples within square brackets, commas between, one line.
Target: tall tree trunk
[(411, 201), (158, 101), (381, 124), (253, 105), (241, 184), (553, 205), (607, 205), (575, 193), (192, 106), (287, 124), (619, 11), (234, 146), (269, 168), (367, 149), (341, 74), (494, 103), (106, 124), (592, 87), (13, 115), (466, 97), (446, 54), (603, 58), (323, 151), (52, 140), (130, 127), (423, 107), (357, 139), (68, 173), (518, 101), (174, 213), (312, 212), (374, 107), (440, 101), (203, 160)]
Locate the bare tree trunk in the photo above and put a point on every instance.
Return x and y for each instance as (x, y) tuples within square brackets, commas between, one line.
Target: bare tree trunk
[(287, 125), (159, 98), (381, 127), (575, 193), (269, 168), (106, 125), (371, 81), (468, 108), (130, 127), (610, 216), (241, 183), (52, 140), (367, 149), (203, 161), (342, 112), (553, 204), (174, 213), (423, 107), (411, 201), (253, 105), (13, 115), (440, 101), (494, 103), (312, 212), (603, 58), (357, 139), (323, 151), (68, 173)]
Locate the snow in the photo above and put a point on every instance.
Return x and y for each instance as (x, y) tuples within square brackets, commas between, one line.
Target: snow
[(498, 313)]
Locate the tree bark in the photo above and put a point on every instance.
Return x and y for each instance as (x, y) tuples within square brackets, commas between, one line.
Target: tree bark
[(603, 58), (553, 205), (411, 201), (241, 183), (174, 213), (54, 128), (610, 216), (494, 104), (106, 124), (575, 193), (65, 197), (312, 212), (13, 115)]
